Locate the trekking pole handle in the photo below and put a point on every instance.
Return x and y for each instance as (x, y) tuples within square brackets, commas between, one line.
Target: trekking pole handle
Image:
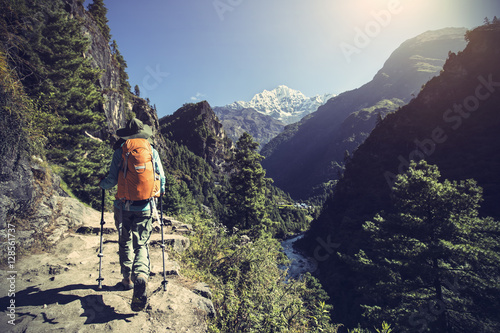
[(103, 207), (102, 204), (161, 207)]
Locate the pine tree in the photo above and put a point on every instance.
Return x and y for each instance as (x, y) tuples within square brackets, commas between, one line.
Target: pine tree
[(98, 12), (122, 65), (171, 197), (69, 85), (247, 194), (66, 87), (434, 262)]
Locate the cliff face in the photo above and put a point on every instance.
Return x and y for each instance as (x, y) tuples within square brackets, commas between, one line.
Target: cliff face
[(197, 127), (148, 116), (16, 177), (116, 105)]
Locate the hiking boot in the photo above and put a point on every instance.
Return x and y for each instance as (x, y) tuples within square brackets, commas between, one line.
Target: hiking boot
[(140, 297), (127, 284)]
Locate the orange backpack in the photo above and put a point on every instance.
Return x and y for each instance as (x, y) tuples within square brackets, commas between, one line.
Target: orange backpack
[(137, 178)]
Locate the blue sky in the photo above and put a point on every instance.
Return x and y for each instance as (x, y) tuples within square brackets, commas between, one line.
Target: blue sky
[(181, 51)]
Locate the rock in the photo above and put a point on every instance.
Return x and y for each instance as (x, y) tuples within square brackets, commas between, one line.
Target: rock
[(17, 191), (177, 242), (206, 306), (245, 240), (203, 290), (67, 214), (169, 221), (183, 229), (177, 226), (56, 270), (172, 270)]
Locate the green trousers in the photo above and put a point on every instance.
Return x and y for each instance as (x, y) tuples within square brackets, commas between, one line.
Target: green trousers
[(134, 229)]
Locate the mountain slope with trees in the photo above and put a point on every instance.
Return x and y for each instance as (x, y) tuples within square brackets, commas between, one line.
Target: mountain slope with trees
[(311, 152), (453, 124), (197, 127), (262, 127)]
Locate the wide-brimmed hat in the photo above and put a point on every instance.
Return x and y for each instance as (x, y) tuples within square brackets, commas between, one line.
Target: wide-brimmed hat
[(135, 129)]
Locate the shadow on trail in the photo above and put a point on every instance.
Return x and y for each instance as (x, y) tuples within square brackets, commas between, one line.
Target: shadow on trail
[(96, 311)]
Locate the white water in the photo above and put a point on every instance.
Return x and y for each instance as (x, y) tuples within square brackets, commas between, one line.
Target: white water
[(300, 264)]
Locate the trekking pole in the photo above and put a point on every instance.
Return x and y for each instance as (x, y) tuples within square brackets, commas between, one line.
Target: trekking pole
[(164, 283), (100, 255)]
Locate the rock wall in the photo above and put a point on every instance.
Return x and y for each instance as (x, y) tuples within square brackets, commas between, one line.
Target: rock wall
[(116, 105)]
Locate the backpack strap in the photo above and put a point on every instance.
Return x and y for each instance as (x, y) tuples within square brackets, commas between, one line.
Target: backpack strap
[(125, 165)]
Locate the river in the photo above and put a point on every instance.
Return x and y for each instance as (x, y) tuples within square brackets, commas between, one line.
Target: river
[(300, 264)]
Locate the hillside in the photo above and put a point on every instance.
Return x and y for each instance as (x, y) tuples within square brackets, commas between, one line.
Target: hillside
[(262, 127), (196, 126), (311, 152), (453, 123)]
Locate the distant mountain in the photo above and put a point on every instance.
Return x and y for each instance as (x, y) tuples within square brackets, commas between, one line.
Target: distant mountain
[(262, 127), (452, 123), (267, 114), (311, 153), (282, 103)]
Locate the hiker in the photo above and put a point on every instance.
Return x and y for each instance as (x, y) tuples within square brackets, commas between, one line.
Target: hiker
[(133, 218)]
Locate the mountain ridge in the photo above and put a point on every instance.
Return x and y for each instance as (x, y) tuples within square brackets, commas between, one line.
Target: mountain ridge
[(196, 126), (262, 127), (267, 113), (300, 158), (282, 103)]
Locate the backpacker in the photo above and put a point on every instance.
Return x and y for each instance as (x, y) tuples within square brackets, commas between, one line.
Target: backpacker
[(137, 179)]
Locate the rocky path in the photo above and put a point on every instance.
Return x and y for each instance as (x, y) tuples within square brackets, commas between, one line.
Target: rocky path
[(57, 291)]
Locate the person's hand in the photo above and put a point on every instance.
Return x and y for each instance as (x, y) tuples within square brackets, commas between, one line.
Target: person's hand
[(100, 180)]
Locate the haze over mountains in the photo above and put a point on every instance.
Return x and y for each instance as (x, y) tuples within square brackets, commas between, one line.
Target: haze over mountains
[(262, 127), (306, 158), (310, 153)]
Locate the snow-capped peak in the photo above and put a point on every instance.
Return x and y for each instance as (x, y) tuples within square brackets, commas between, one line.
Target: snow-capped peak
[(283, 103)]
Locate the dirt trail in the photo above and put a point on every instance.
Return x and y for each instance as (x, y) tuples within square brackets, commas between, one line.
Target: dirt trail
[(57, 291)]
